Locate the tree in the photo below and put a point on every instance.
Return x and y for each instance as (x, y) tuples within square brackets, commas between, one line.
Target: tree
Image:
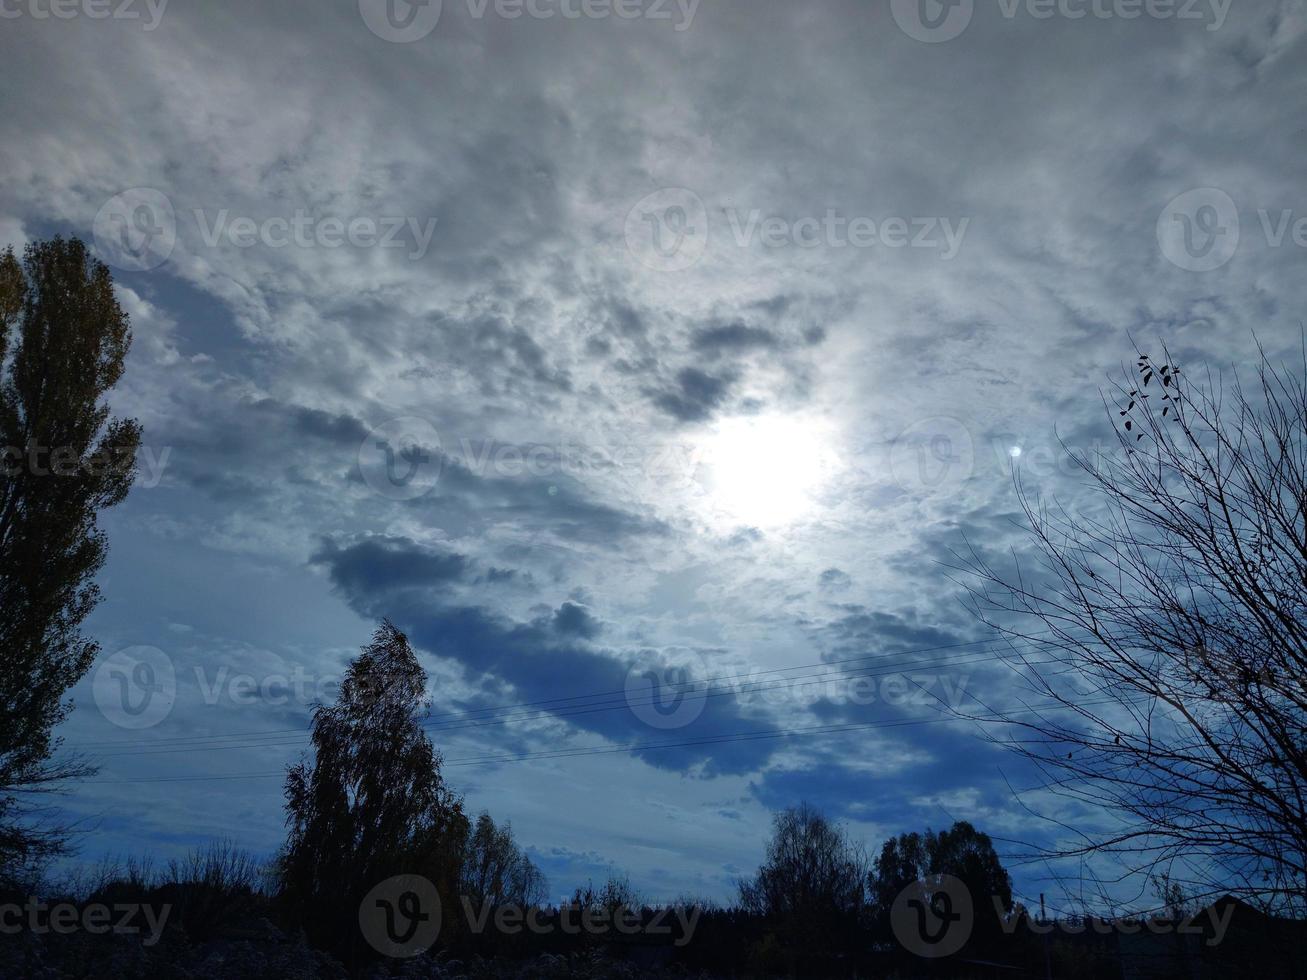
[(968, 855), (495, 870), (812, 886), (962, 852), (373, 804), (616, 894), (63, 338), (1176, 619)]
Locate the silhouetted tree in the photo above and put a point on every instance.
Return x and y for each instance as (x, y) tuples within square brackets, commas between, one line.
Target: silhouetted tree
[(372, 804), (617, 892), (962, 852), (496, 872), (63, 338), (812, 886), (1173, 903), (1176, 617)]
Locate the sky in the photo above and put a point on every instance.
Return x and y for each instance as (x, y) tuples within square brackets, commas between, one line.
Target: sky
[(600, 344)]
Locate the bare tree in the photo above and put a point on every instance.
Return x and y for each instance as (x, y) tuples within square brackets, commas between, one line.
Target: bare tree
[(496, 871), (813, 886), (615, 894), (1175, 613)]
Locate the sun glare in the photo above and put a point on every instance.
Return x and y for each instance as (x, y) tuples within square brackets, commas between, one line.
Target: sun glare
[(764, 470)]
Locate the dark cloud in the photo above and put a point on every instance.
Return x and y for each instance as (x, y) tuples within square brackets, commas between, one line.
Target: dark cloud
[(547, 661), (947, 775), (243, 450), (624, 319), (314, 423), (472, 496), (835, 580), (694, 395), (573, 619), (860, 629), (382, 563), (732, 338)]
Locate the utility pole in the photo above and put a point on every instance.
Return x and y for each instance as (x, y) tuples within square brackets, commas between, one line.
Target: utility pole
[(1043, 921)]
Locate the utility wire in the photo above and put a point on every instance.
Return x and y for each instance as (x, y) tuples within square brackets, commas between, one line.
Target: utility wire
[(599, 707), (431, 722), (637, 747)]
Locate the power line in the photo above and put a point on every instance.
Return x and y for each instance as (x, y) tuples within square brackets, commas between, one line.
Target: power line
[(200, 740), (747, 736), (552, 753), (637, 747), (598, 707)]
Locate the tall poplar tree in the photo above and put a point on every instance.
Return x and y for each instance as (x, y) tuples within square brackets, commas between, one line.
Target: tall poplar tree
[(63, 339)]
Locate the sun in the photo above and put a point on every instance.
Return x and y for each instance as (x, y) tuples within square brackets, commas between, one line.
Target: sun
[(764, 470)]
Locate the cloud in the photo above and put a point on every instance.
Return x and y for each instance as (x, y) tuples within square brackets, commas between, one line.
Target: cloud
[(572, 619), (694, 395), (382, 563), (547, 660), (835, 580), (529, 325), (732, 338)]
